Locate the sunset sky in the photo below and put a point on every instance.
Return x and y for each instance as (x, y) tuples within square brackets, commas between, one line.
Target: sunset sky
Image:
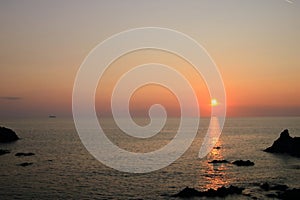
[(255, 44)]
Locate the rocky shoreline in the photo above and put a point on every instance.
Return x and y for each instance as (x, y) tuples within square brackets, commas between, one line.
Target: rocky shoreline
[(268, 190)]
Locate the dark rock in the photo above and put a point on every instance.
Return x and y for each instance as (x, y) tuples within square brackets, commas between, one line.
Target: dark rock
[(188, 192), (290, 194), (3, 151), (295, 166), (243, 163), (7, 135), (220, 192), (279, 187), (24, 154), (286, 144), (218, 161), (25, 164), (217, 147), (271, 195), (265, 186)]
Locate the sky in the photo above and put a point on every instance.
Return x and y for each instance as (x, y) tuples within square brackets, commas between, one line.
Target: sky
[(255, 45)]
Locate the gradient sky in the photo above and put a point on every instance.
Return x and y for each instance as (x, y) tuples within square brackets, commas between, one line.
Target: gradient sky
[(255, 44)]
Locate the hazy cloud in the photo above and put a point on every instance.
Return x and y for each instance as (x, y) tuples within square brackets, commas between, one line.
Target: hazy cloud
[(11, 98), (291, 2)]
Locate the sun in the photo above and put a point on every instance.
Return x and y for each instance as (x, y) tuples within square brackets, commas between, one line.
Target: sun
[(214, 102)]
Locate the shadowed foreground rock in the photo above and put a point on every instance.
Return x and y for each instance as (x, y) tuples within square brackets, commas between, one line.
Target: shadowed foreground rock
[(282, 191), (220, 192), (3, 151), (243, 163), (7, 135), (286, 144), (290, 194), (280, 187)]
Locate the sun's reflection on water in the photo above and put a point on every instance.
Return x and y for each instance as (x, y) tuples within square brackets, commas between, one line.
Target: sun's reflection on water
[(214, 175)]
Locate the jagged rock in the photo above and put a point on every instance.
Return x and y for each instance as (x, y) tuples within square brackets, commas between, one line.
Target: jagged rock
[(266, 186), (279, 187), (25, 164), (24, 154), (243, 163), (7, 135), (271, 195), (218, 161), (188, 192), (220, 192), (290, 194), (286, 144), (3, 151)]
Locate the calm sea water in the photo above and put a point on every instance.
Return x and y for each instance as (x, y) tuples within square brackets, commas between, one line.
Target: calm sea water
[(62, 167)]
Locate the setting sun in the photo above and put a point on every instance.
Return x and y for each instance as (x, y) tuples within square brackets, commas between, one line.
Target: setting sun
[(214, 102)]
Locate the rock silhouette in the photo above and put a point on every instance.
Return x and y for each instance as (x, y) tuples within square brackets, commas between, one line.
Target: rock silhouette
[(218, 161), (286, 144), (7, 135), (25, 164), (188, 192), (243, 163), (282, 191), (290, 194), (3, 151), (266, 186), (237, 162), (277, 191), (24, 154), (220, 192)]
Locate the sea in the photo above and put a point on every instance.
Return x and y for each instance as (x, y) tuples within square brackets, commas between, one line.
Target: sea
[(62, 168)]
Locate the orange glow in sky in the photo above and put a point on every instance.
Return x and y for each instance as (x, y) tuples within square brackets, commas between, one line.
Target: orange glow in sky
[(255, 44)]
